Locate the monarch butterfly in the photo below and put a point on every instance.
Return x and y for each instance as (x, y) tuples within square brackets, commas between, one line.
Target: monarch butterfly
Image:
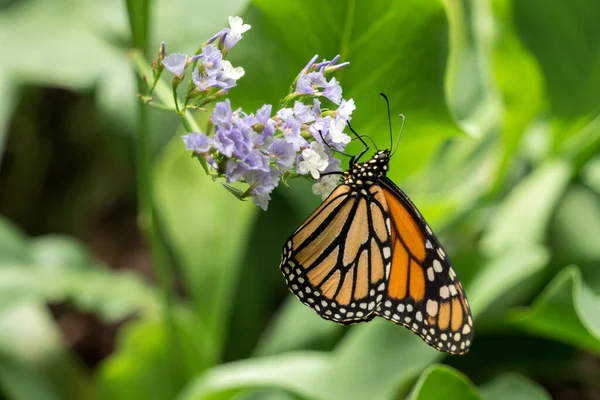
[(366, 251)]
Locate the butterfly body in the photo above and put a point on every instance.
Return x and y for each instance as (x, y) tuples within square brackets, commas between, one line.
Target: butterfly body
[(367, 251)]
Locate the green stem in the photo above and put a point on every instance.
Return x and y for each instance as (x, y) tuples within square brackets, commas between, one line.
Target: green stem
[(139, 12)]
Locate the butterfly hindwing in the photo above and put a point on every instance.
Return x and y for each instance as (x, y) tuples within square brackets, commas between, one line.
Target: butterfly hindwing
[(423, 292), (336, 262)]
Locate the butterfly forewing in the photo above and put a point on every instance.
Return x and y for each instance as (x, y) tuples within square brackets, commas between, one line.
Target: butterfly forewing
[(337, 262), (423, 291)]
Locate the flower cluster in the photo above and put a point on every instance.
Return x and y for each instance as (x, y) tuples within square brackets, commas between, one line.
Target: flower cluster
[(263, 147), (271, 145), (211, 70)]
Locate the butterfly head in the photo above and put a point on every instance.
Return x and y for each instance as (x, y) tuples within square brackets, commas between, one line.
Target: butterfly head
[(367, 172)]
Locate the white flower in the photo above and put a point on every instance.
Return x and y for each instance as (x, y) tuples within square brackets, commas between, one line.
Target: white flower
[(175, 62), (315, 160), (237, 26), (233, 34), (325, 186), (345, 109), (231, 73), (336, 131)]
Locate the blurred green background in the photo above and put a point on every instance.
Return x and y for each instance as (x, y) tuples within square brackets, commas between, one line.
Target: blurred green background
[(501, 152)]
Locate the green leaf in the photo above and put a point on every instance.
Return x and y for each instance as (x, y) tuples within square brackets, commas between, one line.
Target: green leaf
[(570, 29), (59, 252), (522, 218), (514, 387), (590, 174), (442, 381), (299, 373), (575, 230), (521, 98), (208, 229), (500, 275), (379, 345), (566, 311), (18, 382), (398, 48), (470, 86), (295, 327), (112, 295), (142, 366), (33, 358)]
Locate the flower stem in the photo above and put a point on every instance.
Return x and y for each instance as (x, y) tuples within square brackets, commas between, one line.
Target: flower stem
[(139, 12)]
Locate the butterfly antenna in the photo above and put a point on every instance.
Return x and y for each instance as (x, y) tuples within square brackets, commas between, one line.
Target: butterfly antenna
[(368, 137), (399, 134), (359, 137), (387, 102)]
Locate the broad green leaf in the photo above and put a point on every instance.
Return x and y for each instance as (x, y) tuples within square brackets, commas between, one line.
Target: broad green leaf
[(591, 174), (208, 230), (502, 274), (575, 230), (521, 97), (112, 295), (59, 252), (300, 373), (442, 381), (295, 327), (377, 359), (18, 382), (398, 48), (566, 311), (470, 87), (155, 358), (570, 29), (514, 387), (522, 218), (32, 343)]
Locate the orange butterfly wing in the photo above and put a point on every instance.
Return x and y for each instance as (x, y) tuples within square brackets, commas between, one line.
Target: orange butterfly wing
[(337, 262), (423, 291)]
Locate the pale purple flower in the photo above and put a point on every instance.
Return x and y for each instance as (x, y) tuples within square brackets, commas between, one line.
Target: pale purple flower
[(283, 153), (334, 165), (233, 34), (320, 128), (316, 110), (285, 113), (314, 160), (254, 160), (234, 170), (325, 185), (310, 63), (345, 109), (211, 59), (228, 76), (222, 115), (197, 141), (333, 91), (203, 81), (291, 133), (261, 185), (175, 63), (307, 83), (303, 113), (242, 140), (263, 116), (223, 143)]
